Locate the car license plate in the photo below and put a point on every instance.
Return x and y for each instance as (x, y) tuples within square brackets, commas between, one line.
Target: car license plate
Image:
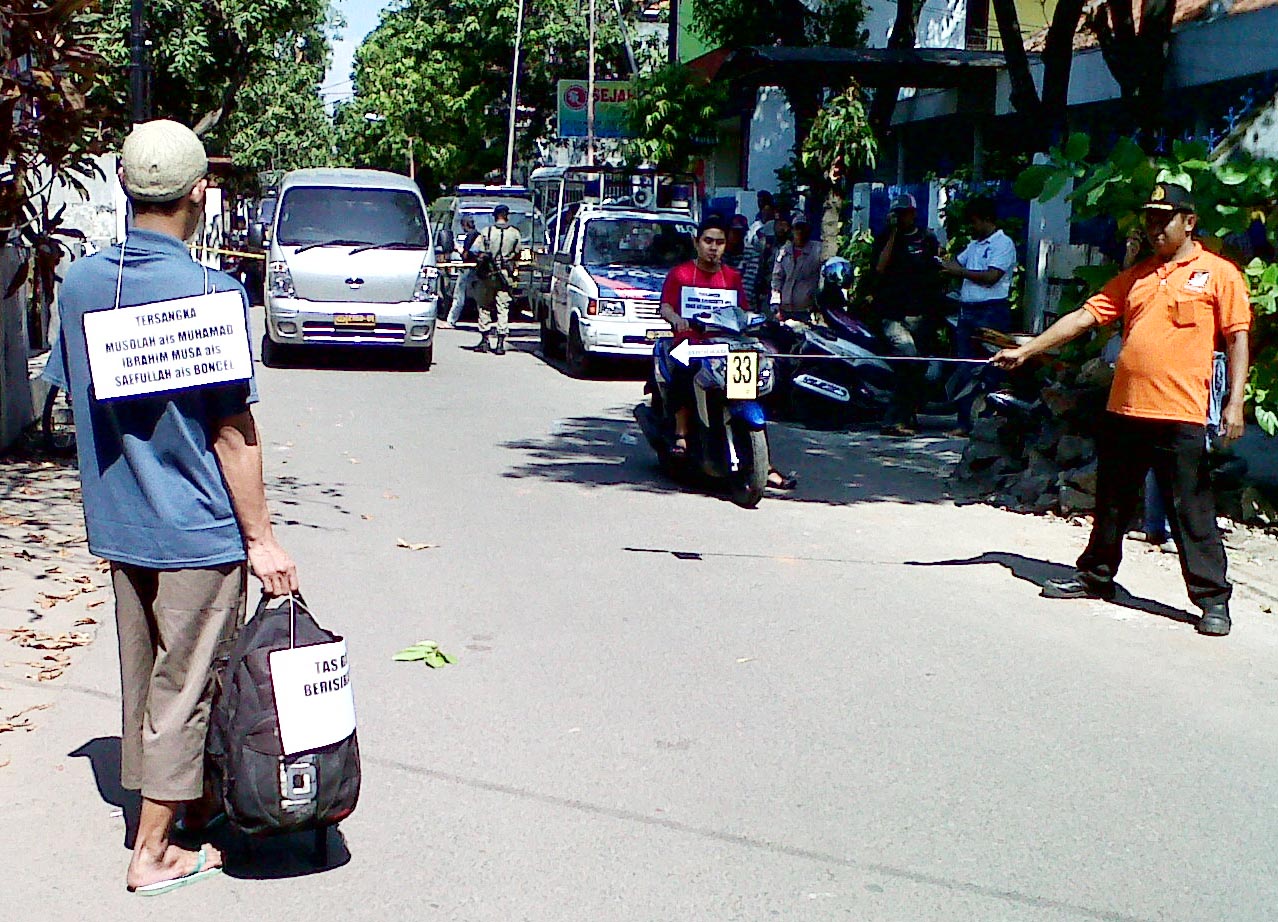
[(366, 321), (654, 335)]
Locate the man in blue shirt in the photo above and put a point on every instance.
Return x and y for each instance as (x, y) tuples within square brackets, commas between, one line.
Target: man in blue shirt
[(173, 498)]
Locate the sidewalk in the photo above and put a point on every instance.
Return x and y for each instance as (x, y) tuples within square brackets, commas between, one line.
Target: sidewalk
[(53, 593)]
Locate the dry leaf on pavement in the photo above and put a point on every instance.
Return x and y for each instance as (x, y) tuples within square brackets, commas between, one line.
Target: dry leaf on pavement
[(40, 640), (20, 721), (414, 547)]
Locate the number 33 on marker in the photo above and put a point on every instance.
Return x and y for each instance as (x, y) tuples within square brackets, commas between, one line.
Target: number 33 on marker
[(743, 375)]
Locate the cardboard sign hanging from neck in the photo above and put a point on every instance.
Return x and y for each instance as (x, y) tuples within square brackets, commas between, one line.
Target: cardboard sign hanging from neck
[(168, 346)]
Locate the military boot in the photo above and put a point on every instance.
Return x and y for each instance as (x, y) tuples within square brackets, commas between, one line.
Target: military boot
[(500, 349), (483, 343)]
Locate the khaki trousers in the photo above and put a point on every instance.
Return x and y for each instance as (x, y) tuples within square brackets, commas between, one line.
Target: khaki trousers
[(172, 626), (491, 294)]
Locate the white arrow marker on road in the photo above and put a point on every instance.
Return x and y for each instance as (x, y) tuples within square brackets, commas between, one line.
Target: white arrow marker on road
[(685, 352)]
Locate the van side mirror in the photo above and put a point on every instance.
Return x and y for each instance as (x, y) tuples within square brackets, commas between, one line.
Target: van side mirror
[(444, 241), (256, 235)]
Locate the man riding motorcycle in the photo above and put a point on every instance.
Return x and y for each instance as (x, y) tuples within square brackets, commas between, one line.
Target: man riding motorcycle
[(689, 288)]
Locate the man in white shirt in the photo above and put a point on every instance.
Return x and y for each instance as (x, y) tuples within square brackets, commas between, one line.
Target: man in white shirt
[(986, 267)]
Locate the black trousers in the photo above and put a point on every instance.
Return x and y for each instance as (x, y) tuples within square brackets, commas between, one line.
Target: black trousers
[(1177, 453)]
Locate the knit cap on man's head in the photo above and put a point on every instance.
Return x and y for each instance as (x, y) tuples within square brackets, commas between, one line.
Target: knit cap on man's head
[(162, 161)]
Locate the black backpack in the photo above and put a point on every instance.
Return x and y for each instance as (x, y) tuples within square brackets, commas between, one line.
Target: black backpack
[(262, 791)]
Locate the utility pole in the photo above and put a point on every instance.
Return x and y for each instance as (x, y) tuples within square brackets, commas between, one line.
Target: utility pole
[(140, 104), (625, 39), (514, 95), (672, 36), (590, 92)]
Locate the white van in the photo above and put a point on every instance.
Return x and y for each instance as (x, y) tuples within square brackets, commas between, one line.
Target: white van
[(350, 262)]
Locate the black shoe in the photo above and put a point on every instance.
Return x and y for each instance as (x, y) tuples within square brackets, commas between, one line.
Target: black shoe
[(501, 346), (1215, 620), (483, 343), (1075, 587)]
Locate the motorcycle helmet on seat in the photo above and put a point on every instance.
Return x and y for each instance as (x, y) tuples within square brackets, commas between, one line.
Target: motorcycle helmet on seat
[(836, 272)]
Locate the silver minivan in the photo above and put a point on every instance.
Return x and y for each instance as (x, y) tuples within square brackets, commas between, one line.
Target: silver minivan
[(350, 262)]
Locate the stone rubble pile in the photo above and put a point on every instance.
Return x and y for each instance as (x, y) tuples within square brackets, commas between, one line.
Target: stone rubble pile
[(1042, 457)]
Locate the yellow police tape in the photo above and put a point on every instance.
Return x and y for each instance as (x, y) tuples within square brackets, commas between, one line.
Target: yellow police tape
[(216, 251)]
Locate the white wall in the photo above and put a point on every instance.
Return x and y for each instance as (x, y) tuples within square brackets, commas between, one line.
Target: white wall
[(771, 138), (942, 23)]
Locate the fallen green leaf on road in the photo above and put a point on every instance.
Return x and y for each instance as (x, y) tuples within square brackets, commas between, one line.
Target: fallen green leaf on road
[(428, 652)]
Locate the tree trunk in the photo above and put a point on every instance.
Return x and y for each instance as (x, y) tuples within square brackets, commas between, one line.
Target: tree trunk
[(1137, 59), (903, 38), (1058, 60), (1024, 94), (832, 219)]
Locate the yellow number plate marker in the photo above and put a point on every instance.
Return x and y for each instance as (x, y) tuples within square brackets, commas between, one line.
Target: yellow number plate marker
[(743, 375)]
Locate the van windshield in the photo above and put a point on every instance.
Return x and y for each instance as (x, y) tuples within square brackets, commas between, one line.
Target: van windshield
[(315, 214), (638, 242), (523, 221)]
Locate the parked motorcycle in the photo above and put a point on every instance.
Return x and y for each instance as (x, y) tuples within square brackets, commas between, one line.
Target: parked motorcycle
[(860, 387), (727, 441)]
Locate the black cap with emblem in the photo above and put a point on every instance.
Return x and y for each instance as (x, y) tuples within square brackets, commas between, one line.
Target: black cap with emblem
[(1168, 196)]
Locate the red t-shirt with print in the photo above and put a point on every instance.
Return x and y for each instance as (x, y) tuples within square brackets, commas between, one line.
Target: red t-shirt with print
[(690, 275)]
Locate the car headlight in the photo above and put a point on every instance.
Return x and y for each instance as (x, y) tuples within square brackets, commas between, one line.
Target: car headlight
[(609, 308), (280, 280), (427, 287)]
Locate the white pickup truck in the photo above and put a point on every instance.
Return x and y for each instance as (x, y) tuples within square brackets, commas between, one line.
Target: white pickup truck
[(604, 295)]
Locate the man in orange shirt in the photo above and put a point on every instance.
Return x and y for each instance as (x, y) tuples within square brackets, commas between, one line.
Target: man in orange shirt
[(1175, 306)]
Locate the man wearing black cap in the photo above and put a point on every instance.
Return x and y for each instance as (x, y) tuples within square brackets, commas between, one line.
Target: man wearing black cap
[(906, 295), (1174, 306), (498, 248)]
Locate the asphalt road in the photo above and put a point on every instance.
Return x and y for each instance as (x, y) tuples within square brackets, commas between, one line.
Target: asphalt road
[(847, 704)]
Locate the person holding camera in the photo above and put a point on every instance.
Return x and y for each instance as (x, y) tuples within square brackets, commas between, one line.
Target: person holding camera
[(907, 288)]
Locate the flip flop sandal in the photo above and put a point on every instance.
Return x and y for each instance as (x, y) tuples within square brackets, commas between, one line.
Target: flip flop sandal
[(788, 481), (679, 448), (165, 886)]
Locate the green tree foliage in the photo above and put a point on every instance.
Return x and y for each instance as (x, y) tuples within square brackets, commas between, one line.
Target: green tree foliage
[(49, 130), (673, 118), (1230, 194), (201, 54), (438, 72), (279, 122), (791, 24), (840, 143)]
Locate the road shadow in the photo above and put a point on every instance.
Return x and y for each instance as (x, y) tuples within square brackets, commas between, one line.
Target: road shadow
[(346, 358), (293, 855), (294, 500), (297, 854), (834, 468), (1038, 572), (602, 368), (103, 754)]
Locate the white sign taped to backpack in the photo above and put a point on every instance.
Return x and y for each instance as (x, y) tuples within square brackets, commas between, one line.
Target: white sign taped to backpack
[(313, 696)]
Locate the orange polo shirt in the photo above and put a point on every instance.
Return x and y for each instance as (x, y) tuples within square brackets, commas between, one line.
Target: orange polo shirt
[(1173, 314)]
